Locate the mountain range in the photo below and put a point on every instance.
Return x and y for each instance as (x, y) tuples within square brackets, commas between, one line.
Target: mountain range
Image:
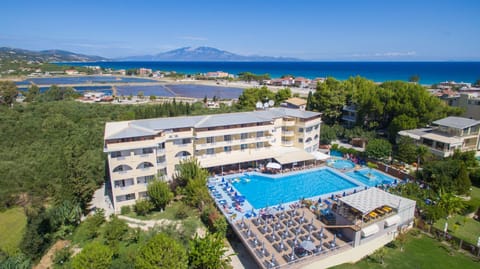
[(199, 54), (10, 54), (204, 54)]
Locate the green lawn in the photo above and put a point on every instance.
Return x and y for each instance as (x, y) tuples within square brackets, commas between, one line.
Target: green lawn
[(419, 252), (462, 227), (12, 226), (168, 213)]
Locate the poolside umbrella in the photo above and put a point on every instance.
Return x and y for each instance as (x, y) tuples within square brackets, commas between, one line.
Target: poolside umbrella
[(292, 256), (332, 197), (344, 194), (282, 246), (355, 191), (309, 237), (308, 245), (263, 247), (321, 232), (334, 239), (223, 180), (243, 223), (320, 200)]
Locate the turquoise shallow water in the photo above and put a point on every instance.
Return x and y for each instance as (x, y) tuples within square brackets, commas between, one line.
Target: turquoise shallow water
[(375, 178), (262, 191), (429, 72)]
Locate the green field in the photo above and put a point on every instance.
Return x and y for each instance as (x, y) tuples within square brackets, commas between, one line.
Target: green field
[(462, 227), (12, 226), (419, 252)]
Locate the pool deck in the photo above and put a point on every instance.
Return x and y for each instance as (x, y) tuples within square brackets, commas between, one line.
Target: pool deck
[(272, 234)]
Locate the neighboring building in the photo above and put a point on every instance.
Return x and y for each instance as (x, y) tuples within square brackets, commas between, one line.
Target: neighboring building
[(349, 115), (314, 82), (448, 134), (469, 102), (301, 82), (218, 74), (286, 81), (140, 150), (144, 71), (70, 72), (295, 103)]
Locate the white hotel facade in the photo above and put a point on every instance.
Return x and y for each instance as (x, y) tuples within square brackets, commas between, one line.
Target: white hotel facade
[(140, 150)]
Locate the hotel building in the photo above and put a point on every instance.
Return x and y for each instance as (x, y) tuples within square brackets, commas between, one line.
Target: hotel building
[(140, 150), (447, 135)]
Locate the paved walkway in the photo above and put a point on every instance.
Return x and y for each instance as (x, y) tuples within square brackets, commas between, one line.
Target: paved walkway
[(101, 200)]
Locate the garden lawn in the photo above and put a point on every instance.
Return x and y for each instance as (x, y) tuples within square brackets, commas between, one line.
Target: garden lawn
[(419, 252), (462, 227), (169, 212), (12, 227)]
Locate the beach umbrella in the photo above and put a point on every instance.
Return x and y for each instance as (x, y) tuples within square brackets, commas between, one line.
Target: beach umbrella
[(292, 256), (308, 245)]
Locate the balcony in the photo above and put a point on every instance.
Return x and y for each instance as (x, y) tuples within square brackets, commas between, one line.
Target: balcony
[(160, 152), (287, 143), (289, 123), (288, 133)]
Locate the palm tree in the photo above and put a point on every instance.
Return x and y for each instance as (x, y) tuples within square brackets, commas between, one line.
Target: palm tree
[(371, 166), (421, 152), (450, 203)]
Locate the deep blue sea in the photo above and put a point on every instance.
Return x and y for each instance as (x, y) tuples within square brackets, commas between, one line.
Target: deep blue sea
[(429, 72)]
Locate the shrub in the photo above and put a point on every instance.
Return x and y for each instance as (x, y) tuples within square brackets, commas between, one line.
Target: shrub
[(62, 256), (182, 212), (143, 207), (125, 210)]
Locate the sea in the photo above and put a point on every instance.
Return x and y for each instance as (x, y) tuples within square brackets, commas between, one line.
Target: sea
[(428, 72)]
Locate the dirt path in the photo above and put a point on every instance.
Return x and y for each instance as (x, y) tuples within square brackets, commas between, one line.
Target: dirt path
[(47, 259)]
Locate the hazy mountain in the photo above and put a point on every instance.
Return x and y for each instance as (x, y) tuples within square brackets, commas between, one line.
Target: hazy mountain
[(12, 54), (201, 54)]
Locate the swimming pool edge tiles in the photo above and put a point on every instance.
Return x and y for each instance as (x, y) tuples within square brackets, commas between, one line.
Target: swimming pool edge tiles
[(248, 207)]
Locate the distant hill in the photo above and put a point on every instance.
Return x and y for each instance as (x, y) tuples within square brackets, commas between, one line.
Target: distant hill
[(203, 54), (11, 54)]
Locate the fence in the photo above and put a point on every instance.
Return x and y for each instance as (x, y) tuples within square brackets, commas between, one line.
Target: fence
[(392, 170), (455, 242)]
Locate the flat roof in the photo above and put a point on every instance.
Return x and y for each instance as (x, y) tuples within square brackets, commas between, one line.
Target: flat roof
[(368, 200), (456, 122), (117, 130), (296, 101)]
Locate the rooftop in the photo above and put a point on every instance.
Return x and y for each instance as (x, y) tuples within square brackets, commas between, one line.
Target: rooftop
[(296, 101), (368, 200), (456, 122), (136, 128)]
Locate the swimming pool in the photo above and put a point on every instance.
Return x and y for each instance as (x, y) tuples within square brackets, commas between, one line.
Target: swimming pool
[(371, 177), (341, 164), (262, 191)]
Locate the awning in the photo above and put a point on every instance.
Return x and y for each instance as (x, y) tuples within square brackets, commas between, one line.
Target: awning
[(320, 156), (274, 166), (392, 220), (370, 230), (294, 156)]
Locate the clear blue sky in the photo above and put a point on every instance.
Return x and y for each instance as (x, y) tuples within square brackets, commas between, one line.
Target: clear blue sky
[(315, 30)]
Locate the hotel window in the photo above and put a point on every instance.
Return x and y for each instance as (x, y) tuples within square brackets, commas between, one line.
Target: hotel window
[(227, 148), (116, 154), (161, 145), (147, 150), (300, 140), (210, 140), (210, 151), (161, 159), (316, 127), (260, 134), (300, 130), (227, 137), (143, 194), (243, 146), (309, 129), (259, 144), (244, 136)]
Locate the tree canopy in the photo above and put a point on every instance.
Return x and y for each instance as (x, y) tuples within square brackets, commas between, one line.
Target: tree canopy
[(161, 252), (94, 255)]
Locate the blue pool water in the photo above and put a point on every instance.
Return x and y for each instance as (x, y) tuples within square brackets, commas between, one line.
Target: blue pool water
[(341, 164), (373, 180), (261, 191), (336, 153)]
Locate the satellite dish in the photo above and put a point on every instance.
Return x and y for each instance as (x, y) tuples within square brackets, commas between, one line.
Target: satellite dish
[(259, 105), (265, 105), (271, 103)]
